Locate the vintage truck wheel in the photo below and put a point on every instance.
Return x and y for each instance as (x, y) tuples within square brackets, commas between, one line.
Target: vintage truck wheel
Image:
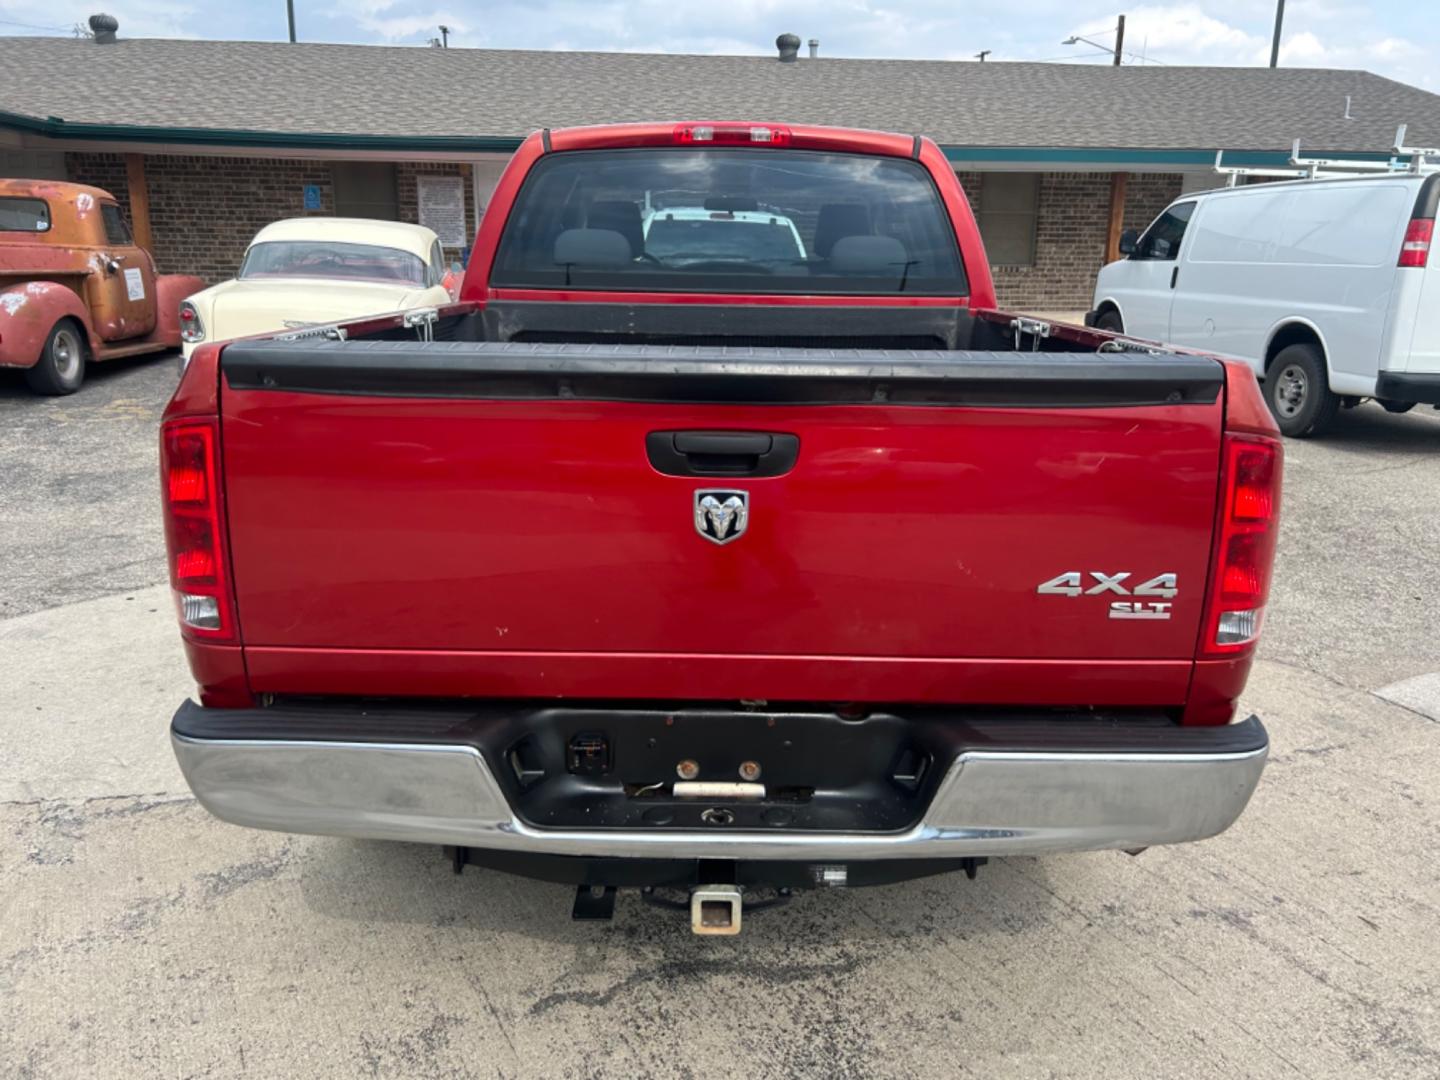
[(61, 368)]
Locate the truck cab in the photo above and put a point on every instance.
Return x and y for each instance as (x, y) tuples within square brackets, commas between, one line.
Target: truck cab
[(74, 285)]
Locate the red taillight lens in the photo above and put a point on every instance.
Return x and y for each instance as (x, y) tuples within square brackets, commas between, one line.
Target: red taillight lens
[(1415, 250), (732, 134), (192, 529), (187, 485), (195, 562), (191, 328), (1254, 489), (1245, 544), (185, 473)]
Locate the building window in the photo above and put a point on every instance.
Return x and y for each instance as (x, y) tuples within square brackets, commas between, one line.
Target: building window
[(365, 189), (1009, 208)]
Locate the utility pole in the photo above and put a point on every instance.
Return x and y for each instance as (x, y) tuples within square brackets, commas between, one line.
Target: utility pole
[(290, 14), (1119, 41), (982, 54), (1279, 22)]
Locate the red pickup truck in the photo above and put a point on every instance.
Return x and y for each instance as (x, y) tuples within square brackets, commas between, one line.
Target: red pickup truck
[(724, 538)]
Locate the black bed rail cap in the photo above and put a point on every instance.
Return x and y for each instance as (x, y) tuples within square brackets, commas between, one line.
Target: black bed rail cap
[(713, 374)]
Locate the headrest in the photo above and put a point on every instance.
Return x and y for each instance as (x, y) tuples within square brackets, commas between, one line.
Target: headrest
[(591, 247)]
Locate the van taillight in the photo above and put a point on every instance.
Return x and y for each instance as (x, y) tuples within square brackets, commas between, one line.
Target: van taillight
[(1245, 547), (1415, 250), (193, 533)]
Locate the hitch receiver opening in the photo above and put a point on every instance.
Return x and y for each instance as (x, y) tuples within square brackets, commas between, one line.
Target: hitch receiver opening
[(715, 909)]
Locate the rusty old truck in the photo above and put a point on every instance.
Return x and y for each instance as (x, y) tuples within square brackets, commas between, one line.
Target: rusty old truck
[(75, 288)]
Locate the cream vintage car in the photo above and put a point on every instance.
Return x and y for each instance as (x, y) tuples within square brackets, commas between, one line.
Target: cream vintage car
[(319, 270)]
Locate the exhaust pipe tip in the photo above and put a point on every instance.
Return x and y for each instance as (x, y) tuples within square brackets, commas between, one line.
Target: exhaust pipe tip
[(715, 909)]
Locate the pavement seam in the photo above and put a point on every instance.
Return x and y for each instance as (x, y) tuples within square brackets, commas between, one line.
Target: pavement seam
[(1333, 681), (1401, 705), (129, 593), (166, 798)]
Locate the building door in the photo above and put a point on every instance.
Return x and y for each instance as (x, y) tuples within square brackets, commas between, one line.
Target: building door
[(125, 284), (365, 189)]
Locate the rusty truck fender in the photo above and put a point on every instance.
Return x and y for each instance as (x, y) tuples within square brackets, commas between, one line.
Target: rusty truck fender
[(170, 289), (30, 311)]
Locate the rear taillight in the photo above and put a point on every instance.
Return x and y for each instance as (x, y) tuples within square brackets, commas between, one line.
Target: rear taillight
[(732, 134), (1415, 250), (1245, 547), (193, 530), (191, 328)]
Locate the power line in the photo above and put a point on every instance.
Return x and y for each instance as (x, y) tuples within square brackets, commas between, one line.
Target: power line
[(32, 26), (1082, 58), (1071, 58)]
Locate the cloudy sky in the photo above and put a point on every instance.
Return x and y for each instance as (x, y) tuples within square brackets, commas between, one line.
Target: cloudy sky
[(1396, 38)]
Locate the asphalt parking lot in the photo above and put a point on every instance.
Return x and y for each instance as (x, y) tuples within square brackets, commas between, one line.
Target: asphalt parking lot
[(139, 937)]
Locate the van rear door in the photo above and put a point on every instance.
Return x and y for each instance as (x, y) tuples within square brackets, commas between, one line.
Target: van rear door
[(1412, 341)]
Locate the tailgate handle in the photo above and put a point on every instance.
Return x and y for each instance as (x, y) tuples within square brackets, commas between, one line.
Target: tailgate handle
[(722, 453)]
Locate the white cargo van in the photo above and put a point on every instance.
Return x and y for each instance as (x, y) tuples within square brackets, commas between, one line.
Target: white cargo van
[(1326, 285)]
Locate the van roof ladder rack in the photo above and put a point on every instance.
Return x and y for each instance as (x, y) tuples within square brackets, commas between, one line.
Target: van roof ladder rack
[(1421, 161)]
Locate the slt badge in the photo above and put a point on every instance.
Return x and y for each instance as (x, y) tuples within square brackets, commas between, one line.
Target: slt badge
[(721, 514)]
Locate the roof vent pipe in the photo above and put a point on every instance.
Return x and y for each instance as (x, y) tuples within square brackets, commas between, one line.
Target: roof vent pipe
[(789, 47), (814, 44), (103, 27)]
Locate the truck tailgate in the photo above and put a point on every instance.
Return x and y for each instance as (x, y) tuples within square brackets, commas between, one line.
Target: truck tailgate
[(477, 519)]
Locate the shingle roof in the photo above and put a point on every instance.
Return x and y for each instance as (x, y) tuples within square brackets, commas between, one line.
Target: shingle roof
[(419, 92)]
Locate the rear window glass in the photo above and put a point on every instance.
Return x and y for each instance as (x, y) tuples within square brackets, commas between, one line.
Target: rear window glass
[(723, 220), (116, 231), (24, 215), (323, 259)]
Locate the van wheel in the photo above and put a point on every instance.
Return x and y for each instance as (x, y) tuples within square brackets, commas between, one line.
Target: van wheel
[(1110, 320), (1298, 392), (61, 367)]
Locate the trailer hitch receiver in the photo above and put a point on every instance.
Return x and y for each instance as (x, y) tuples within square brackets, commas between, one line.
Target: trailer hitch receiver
[(716, 909)]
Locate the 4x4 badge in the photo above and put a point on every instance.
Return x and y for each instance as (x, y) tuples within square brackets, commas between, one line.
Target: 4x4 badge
[(721, 514), (1071, 583)]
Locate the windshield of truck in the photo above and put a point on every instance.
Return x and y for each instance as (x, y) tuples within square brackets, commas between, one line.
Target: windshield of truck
[(326, 259), (721, 234), (729, 220)]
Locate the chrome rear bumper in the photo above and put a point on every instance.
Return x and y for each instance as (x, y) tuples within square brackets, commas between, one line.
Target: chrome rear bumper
[(989, 801)]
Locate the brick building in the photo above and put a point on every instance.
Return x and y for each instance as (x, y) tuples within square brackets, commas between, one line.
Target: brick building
[(206, 141)]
